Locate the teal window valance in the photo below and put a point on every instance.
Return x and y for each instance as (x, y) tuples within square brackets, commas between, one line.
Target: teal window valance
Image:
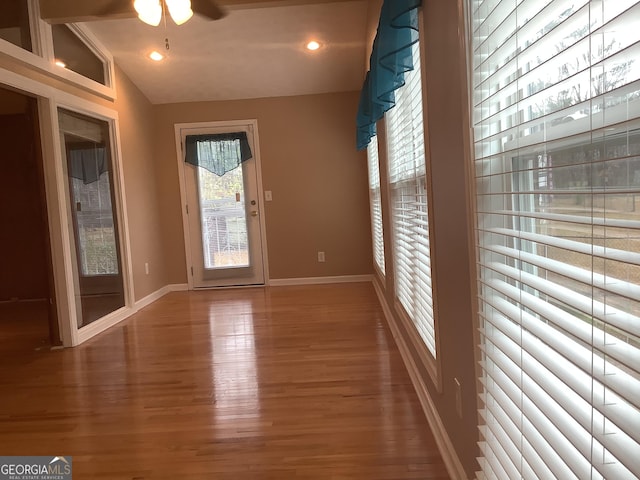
[(88, 164), (218, 153), (390, 58)]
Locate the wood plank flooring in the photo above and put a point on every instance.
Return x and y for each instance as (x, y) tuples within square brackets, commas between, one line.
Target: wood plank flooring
[(262, 383)]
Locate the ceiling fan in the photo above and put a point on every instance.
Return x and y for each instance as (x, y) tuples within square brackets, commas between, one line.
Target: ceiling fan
[(71, 11), (150, 11)]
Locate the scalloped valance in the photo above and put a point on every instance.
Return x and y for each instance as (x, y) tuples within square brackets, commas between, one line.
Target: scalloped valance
[(390, 58)]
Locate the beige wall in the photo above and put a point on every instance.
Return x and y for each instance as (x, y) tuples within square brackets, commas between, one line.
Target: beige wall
[(137, 137), (444, 107), (373, 16), (309, 162)]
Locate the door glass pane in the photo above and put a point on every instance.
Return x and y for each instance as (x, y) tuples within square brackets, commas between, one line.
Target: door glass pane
[(223, 219), (75, 55), (98, 274), (14, 23)]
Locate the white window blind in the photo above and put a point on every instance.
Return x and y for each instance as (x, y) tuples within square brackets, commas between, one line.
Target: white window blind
[(556, 113), (407, 181), (375, 201)]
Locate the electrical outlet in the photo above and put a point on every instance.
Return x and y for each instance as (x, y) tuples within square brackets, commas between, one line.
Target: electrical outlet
[(320, 257), (458, 397)]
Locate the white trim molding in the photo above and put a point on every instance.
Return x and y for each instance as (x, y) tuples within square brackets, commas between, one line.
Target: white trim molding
[(152, 297), (42, 58), (91, 330), (445, 446), (281, 282), (158, 294)]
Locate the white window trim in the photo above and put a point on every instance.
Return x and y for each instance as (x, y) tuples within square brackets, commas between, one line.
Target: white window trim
[(99, 50), (379, 269), (42, 58), (431, 364)]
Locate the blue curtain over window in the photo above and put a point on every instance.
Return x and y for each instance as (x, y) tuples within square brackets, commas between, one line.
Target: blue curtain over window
[(390, 59), (218, 153)]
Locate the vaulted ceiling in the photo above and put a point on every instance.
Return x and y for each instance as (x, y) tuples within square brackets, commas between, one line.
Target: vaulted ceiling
[(256, 50)]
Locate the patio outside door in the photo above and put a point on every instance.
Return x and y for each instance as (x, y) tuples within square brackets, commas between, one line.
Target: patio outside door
[(222, 214)]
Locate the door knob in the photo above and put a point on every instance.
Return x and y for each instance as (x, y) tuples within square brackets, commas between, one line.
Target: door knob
[(254, 213)]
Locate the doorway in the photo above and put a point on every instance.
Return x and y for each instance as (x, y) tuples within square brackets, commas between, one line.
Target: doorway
[(28, 317), (223, 222)]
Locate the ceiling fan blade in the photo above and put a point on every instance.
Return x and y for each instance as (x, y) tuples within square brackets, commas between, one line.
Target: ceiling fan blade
[(69, 11), (207, 8), (115, 7)]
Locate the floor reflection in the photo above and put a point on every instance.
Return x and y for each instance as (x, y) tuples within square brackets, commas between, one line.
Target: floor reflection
[(233, 357), (268, 383)]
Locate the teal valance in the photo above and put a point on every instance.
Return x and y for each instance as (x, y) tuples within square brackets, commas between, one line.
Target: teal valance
[(87, 163), (218, 153), (391, 57)]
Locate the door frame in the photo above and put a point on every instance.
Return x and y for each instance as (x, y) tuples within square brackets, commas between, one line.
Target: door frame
[(81, 334), (119, 212), (55, 337), (253, 125)]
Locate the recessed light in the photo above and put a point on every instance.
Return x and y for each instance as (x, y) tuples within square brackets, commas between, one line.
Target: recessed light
[(313, 45), (156, 56), (61, 64)]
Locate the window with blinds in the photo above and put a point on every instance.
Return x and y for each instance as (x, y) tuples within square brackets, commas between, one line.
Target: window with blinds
[(556, 114), (409, 217), (375, 201)]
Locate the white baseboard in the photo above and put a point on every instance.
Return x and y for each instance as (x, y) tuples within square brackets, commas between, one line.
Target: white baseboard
[(116, 317), (99, 326), (281, 282), (149, 299), (448, 453), (152, 297)]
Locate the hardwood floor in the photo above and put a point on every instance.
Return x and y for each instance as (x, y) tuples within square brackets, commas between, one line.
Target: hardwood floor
[(262, 383), (24, 326)]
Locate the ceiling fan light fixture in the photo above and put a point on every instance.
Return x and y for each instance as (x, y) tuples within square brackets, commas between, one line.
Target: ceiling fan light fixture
[(149, 11), (156, 56), (180, 10)]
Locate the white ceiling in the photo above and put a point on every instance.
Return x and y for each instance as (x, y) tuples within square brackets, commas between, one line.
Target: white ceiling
[(251, 53)]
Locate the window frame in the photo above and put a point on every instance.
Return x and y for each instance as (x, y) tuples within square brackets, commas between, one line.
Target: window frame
[(375, 196), (42, 57), (100, 51), (431, 363)]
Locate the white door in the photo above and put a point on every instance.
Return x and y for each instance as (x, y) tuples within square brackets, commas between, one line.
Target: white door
[(223, 225)]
